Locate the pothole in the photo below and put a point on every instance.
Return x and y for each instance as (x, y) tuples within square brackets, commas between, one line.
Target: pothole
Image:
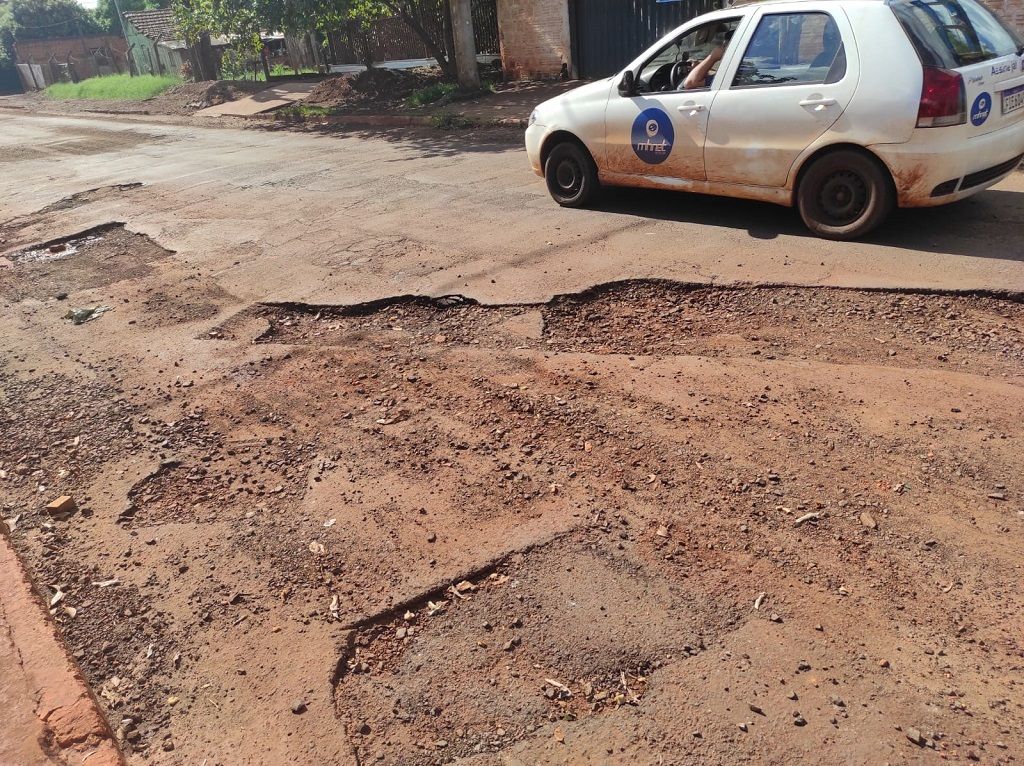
[(78, 199), (65, 247), (546, 636), (92, 258), (983, 332)]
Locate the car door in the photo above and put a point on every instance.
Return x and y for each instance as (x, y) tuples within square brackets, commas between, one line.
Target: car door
[(797, 74), (660, 130)]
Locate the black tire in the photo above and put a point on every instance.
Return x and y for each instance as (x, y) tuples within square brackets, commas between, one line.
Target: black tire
[(844, 195), (571, 175)]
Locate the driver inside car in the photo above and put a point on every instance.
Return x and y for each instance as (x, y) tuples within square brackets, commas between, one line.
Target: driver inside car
[(700, 76)]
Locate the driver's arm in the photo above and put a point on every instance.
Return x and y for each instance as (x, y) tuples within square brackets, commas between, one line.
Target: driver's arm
[(698, 75)]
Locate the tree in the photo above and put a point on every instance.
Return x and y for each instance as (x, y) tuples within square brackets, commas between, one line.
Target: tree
[(106, 12), (240, 17), (40, 19)]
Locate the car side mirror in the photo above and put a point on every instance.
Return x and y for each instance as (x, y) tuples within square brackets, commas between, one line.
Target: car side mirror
[(627, 85)]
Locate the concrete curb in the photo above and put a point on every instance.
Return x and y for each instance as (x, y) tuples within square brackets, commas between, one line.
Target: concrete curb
[(50, 714)]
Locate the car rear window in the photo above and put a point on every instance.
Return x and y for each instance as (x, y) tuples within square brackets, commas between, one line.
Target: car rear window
[(955, 33)]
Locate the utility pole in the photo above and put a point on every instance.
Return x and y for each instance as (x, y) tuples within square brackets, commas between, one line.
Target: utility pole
[(465, 46)]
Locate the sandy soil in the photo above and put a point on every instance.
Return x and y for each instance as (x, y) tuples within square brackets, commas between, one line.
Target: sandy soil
[(650, 523)]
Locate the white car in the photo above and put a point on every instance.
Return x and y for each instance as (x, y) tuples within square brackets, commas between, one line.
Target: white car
[(843, 108)]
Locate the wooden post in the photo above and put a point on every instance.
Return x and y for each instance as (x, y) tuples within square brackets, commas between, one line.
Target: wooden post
[(465, 47)]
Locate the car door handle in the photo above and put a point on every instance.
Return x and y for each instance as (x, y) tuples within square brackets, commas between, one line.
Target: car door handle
[(818, 103), (691, 108)]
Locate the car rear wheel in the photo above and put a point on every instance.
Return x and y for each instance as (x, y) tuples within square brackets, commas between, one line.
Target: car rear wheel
[(845, 195), (571, 175)]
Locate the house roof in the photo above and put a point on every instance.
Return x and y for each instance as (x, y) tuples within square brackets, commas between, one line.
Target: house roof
[(156, 25)]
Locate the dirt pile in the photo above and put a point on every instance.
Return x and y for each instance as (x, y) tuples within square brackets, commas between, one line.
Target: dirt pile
[(377, 86), (200, 95)]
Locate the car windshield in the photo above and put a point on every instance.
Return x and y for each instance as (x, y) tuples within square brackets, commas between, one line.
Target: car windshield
[(955, 33)]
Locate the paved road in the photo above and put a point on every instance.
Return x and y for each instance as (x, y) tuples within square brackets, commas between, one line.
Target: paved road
[(337, 218)]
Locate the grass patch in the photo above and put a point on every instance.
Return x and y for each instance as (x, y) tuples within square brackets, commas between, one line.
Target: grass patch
[(304, 110), (449, 121), (431, 93), (115, 87)]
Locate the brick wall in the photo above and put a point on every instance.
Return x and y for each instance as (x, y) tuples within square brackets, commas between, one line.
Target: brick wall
[(534, 37), (61, 47), (1010, 10)]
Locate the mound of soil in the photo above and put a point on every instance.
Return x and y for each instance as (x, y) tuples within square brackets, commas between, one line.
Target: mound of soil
[(379, 86), (199, 95)]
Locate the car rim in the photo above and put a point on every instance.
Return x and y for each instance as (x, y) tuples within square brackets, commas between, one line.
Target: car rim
[(569, 177), (843, 198)]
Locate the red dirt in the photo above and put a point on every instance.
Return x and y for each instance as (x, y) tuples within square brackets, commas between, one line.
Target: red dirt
[(650, 523)]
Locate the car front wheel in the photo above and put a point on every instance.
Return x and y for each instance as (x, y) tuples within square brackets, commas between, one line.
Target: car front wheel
[(571, 175), (844, 195)]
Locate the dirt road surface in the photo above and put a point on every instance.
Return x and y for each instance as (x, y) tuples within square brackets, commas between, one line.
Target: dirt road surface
[(600, 494)]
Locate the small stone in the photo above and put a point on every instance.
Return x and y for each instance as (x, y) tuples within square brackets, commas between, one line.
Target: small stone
[(298, 707), (775, 618), (432, 538), (915, 736), (792, 696), (756, 709), (837, 701), (799, 720), (401, 633), (61, 508), (868, 520), (883, 663), (803, 665), (364, 728), (743, 726), (168, 745)]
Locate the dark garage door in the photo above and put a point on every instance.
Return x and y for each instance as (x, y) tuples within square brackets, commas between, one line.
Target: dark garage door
[(608, 34)]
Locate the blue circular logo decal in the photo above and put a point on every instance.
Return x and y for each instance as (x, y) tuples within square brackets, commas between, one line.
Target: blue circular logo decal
[(652, 136), (980, 110)]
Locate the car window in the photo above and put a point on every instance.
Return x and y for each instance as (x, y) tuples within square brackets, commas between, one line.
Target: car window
[(689, 50), (793, 49), (954, 33)]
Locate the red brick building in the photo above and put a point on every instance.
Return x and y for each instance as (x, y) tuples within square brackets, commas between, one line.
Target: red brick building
[(72, 57)]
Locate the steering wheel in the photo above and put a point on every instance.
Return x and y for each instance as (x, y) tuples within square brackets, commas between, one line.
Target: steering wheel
[(679, 72)]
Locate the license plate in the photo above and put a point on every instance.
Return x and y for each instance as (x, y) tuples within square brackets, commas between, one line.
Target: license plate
[(1013, 99)]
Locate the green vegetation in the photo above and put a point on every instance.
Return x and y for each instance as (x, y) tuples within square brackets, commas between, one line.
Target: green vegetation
[(449, 121), (280, 70), (433, 92), (304, 110), (117, 87)]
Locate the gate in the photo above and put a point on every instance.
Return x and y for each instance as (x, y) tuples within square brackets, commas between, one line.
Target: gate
[(608, 34)]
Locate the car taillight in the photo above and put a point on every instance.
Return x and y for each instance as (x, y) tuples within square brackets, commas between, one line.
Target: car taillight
[(942, 99)]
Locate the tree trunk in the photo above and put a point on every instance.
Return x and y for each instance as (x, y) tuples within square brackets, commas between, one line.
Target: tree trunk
[(465, 46), (434, 47)]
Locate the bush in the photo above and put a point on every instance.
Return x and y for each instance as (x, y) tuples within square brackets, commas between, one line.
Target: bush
[(431, 93), (115, 87)]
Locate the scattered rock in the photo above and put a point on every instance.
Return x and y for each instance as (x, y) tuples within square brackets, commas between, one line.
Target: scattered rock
[(915, 736), (62, 508), (868, 520), (299, 707)]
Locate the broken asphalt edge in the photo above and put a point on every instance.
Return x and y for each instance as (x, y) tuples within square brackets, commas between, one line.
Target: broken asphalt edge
[(589, 293), (70, 719)]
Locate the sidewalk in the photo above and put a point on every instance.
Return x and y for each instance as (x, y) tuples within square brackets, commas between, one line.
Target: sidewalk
[(49, 715), (509, 104)]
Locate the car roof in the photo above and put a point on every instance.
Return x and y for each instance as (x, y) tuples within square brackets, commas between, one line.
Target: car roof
[(742, 3)]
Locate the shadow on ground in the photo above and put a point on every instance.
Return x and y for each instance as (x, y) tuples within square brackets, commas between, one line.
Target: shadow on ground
[(429, 142), (947, 229)]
